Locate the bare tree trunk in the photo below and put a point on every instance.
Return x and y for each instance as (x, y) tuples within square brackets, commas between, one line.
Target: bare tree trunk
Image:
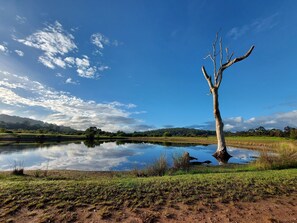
[(221, 151), (221, 154)]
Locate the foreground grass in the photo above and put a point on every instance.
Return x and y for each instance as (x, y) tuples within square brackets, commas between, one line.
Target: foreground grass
[(109, 192)]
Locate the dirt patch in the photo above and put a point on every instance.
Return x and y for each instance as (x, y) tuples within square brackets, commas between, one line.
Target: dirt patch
[(280, 209)]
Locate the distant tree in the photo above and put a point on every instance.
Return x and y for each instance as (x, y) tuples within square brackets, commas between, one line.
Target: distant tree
[(214, 85), (90, 133), (121, 133), (167, 134), (260, 131), (293, 133)]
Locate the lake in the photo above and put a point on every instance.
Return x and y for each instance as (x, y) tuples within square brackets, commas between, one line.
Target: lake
[(107, 155)]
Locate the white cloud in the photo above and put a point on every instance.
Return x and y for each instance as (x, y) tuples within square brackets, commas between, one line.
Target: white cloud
[(19, 52), (20, 19), (277, 120), (103, 68), (259, 25), (69, 61), (99, 40), (22, 94), (54, 41), (83, 67), (70, 81), (3, 49)]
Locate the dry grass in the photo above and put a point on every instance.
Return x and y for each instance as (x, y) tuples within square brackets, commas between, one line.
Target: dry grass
[(284, 157)]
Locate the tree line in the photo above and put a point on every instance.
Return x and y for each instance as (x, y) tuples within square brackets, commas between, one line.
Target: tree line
[(288, 132)]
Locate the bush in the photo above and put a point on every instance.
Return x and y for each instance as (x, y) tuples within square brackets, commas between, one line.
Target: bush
[(181, 161), (158, 168), (18, 169)]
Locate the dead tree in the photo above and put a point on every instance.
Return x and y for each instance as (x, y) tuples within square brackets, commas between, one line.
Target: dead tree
[(214, 85)]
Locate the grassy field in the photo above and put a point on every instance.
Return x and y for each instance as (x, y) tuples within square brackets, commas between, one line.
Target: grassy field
[(253, 142), (110, 193)]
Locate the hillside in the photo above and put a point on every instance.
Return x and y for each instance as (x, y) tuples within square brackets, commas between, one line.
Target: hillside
[(175, 132), (8, 122)]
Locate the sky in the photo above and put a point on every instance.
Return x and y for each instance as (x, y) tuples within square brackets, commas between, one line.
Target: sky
[(135, 65)]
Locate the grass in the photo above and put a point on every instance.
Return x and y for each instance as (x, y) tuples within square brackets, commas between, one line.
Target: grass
[(110, 193), (285, 157), (250, 142)]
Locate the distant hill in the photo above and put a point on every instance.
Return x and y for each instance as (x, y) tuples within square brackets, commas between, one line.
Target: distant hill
[(175, 132), (19, 123)]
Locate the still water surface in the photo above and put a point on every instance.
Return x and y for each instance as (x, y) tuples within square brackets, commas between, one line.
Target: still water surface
[(107, 155)]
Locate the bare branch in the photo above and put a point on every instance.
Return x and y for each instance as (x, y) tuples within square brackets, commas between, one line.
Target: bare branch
[(237, 59), (207, 77), (221, 52), (230, 56), (214, 55)]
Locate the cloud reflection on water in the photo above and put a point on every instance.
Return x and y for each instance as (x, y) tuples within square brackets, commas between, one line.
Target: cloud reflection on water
[(106, 156)]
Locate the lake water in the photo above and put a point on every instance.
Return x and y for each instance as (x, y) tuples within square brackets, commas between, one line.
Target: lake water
[(106, 156)]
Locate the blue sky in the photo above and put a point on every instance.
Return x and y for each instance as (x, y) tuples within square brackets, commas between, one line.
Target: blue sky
[(136, 65)]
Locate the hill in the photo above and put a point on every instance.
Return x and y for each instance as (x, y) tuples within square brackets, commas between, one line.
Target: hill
[(175, 132), (8, 122)]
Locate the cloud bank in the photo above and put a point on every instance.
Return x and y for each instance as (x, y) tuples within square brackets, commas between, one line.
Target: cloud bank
[(25, 96), (277, 121)]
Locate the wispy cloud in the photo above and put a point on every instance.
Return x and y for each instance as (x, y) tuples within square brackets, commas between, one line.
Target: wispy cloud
[(259, 25), (3, 49), (54, 41), (20, 19), (70, 81), (22, 94), (100, 41), (19, 52)]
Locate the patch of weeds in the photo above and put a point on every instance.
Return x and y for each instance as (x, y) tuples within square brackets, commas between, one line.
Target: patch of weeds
[(18, 168), (181, 162), (158, 168), (37, 173)]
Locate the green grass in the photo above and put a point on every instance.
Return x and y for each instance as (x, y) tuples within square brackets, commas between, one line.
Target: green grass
[(114, 192)]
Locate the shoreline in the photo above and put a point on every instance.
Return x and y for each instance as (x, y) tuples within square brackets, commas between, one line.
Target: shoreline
[(253, 143)]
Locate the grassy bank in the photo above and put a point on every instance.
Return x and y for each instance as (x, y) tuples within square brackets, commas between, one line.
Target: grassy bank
[(109, 193), (252, 142)]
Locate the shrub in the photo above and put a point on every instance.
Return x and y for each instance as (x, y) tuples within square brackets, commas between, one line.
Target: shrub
[(18, 169), (181, 162), (158, 168)]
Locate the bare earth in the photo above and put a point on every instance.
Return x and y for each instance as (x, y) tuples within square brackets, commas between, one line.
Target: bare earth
[(281, 209)]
